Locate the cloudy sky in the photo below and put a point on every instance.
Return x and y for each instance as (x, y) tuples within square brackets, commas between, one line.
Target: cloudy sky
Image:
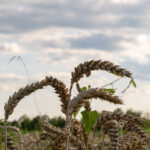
[(54, 36)]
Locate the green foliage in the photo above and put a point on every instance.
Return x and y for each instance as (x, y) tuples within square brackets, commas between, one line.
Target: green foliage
[(148, 130), (14, 123), (116, 74), (35, 123), (112, 91), (1, 122), (89, 119), (84, 88), (134, 113), (146, 124), (29, 125), (26, 125), (2, 146), (75, 114), (58, 122), (132, 82), (118, 110)]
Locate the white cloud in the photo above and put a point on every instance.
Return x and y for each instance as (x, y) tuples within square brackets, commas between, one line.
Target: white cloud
[(11, 48), (56, 33), (9, 82), (126, 2), (137, 50), (10, 76), (43, 30), (138, 99)]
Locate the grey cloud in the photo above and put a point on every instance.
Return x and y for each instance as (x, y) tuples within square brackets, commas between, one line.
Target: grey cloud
[(97, 41), (94, 41), (139, 71), (69, 14)]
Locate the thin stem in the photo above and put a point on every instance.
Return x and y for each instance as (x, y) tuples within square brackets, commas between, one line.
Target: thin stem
[(102, 133), (111, 83), (94, 131), (5, 134), (29, 79), (68, 118)]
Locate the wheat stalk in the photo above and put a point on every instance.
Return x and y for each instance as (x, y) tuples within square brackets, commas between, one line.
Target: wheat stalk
[(58, 135), (144, 137), (87, 104), (112, 128), (59, 87), (79, 100), (130, 141), (86, 69), (107, 115), (88, 66)]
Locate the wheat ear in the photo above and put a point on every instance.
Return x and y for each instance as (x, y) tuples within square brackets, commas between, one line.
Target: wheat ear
[(59, 87), (112, 128), (88, 66), (59, 136), (87, 104), (144, 137), (86, 69), (130, 141), (78, 101), (107, 115)]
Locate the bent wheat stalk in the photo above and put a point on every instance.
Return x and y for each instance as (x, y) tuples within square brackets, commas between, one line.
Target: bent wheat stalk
[(58, 85), (79, 100), (88, 66)]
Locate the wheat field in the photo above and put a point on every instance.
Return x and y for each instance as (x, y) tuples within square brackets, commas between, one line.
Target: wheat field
[(119, 131)]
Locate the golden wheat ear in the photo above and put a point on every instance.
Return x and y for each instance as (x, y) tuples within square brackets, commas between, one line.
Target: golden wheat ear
[(88, 66), (58, 85), (80, 99)]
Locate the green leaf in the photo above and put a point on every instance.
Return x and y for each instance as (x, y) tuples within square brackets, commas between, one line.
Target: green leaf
[(89, 119), (1, 121), (133, 83), (112, 91), (85, 116), (75, 113), (89, 86), (92, 118), (84, 88), (116, 74), (1, 146)]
